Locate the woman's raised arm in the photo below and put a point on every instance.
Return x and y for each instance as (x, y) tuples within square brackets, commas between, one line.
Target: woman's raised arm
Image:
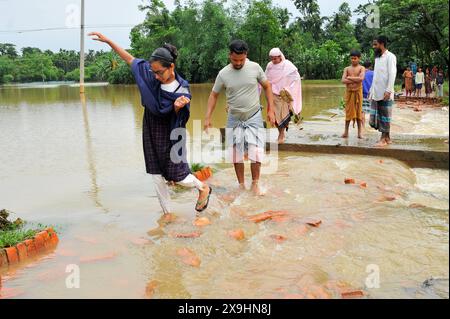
[(127, 57)]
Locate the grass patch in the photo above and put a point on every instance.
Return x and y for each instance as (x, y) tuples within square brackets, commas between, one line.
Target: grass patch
[(195, 167), (329, 82), (10, 238), (12, 233)]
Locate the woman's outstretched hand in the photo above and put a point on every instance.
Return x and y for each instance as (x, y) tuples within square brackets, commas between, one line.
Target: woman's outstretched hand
[(100, 37), (124, 55)]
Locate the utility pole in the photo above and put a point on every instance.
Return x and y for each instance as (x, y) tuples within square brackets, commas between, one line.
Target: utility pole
[(82, 49)]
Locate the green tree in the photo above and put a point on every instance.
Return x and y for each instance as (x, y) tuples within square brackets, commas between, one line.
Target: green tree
[(310, 21), (340, 29), (261, 30), (156, 29), (215, 34), (8, 49), (6, 69), (417, 30)]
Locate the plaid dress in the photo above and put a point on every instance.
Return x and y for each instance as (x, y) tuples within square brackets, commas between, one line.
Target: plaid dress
[(159, 122), (157, 146)]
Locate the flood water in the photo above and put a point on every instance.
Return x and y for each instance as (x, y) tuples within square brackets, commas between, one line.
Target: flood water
[(79, 167)]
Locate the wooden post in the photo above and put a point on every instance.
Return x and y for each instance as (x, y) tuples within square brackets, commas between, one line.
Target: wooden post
[(82, 49)]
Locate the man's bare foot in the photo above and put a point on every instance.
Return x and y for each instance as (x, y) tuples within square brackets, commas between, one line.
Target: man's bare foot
[(381, 143), (360, 136), (256, 190), (345, 135), (389, 141)]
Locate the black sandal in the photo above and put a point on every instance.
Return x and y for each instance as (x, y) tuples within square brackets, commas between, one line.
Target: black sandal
[(205, 200)]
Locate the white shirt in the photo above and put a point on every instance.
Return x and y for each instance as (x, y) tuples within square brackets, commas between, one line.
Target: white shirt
[(384, 75), (172, 86), (420, 78)]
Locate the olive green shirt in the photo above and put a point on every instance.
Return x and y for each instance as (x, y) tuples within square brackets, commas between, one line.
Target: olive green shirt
[(242, 92)]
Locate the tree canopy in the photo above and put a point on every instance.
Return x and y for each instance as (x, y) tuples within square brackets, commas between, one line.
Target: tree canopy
[(318, 45)]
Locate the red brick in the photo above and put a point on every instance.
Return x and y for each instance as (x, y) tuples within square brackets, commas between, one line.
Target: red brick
[(202, 221), (39, 242), (416, 205), (187, 235), (22, 251), (278, 213), (314, 223), (3, 259), (352, 294), (237, 234), (260, 217), (46, 238), (349, 181), (31, 248), (13, 256), (53, 239)]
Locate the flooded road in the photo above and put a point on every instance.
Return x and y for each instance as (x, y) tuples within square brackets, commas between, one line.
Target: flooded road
[(80, 168)]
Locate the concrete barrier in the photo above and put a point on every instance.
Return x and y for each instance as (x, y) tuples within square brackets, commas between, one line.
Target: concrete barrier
[(414, 150)]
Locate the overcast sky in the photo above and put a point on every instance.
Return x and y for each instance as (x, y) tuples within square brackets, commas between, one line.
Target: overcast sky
[(115, 18)]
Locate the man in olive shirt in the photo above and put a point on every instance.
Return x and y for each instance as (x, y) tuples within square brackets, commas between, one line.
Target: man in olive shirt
[(240, 80)]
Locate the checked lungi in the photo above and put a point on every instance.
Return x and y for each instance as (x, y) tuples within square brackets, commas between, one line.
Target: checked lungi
[(366, 106), (246, 137), (381, 115)]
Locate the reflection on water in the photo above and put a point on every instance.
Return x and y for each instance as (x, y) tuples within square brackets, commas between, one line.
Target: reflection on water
[(89, 151), (80, 167)]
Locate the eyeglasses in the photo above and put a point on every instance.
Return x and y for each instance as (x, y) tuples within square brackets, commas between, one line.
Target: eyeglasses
[(160, 73)]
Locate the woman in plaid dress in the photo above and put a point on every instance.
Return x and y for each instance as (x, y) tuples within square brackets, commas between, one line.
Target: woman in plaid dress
[(166, 99)]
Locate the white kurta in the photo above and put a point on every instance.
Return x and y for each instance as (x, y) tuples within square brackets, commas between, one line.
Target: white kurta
[(385, 72)]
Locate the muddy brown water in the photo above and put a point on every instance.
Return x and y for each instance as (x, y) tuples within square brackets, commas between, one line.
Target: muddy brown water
[(80, 168)]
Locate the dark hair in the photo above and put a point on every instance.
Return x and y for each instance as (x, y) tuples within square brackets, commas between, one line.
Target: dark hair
[(238, 47), (355, 53), (367, 64), (382, 40), (166, 55)]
